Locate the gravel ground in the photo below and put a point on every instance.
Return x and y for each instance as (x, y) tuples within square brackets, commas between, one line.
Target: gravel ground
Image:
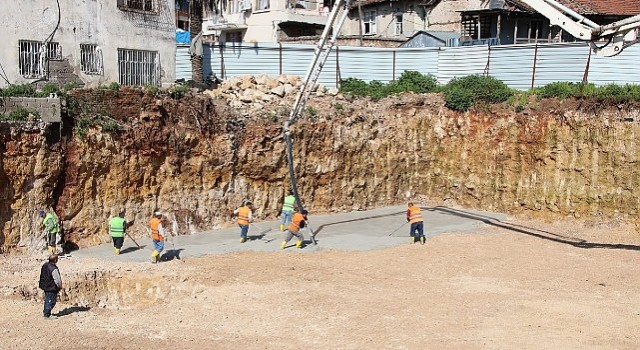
[(519, 284)]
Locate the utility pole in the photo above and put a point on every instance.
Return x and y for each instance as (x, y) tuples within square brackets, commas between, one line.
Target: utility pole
[(360, 22)]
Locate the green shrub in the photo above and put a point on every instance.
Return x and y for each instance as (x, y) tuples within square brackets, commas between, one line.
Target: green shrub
[(178, 91), (19, 114), (462, 93), (355, 87), (84, 123), (70, 86), (409, 81), (151, 90), (338, 106), (459, 99), (48, 89), (312, 112), (114, 86), (23, 90), (416, 82)]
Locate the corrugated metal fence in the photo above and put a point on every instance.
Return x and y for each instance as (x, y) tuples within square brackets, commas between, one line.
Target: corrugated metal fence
[(519, 66)]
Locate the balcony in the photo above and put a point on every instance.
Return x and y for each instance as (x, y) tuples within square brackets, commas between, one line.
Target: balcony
[(227, 22)]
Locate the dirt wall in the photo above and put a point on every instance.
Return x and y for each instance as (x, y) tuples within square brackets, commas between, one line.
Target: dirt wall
[(197, 158)]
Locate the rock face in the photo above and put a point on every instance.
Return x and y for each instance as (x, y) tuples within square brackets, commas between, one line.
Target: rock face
[(198, 158)]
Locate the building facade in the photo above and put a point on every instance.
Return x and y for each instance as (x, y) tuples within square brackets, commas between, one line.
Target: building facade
[(91, 42), (265, 20), (400, 20)]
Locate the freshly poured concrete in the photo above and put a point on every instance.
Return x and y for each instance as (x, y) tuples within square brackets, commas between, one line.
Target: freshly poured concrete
[(358, 230)]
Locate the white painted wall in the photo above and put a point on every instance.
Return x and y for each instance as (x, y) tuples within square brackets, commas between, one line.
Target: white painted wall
[(88, 22), (262, 25)]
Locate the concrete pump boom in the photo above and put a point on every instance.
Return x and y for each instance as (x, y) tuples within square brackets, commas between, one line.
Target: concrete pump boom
[(619, 35), (321, 53)]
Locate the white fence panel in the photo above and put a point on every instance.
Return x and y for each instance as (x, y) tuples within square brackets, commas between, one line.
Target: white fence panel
[(249, 59), (513, 65), (367, 63), (423, 60), (461, 61), (183, 62), (561, 62), (621, 69)]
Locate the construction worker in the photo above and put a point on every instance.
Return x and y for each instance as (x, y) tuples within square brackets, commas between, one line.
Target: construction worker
[(299, 221), (117, 227), (287, 210), (51, 229), (415, 219), (51, 283), (157, 235), (245, 216)]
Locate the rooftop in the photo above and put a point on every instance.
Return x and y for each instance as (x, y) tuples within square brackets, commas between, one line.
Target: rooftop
[(593, 7)]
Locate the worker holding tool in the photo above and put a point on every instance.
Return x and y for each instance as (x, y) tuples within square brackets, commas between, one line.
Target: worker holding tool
[(157, 235), (299, 221), (51, 229), (415, 219), (117, 227), (287, 210), (245, 217)]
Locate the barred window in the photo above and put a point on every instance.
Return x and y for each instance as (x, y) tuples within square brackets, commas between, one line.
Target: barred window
[(32, 57), (138, 67), (137, 5), (91, 59)]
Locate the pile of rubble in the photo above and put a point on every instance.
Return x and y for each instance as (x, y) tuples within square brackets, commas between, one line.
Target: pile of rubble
[(252, 94)]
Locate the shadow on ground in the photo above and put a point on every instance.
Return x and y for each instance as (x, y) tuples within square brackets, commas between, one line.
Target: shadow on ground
[(69, 310), (171, 254), (534, 232), (131, 249)]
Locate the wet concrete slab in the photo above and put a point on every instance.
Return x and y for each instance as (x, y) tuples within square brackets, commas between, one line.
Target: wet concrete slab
[(353, 231)]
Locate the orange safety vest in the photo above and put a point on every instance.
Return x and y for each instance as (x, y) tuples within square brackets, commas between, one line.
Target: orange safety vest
[(414, 215), (154, 223), (243, 215), (294, 226)]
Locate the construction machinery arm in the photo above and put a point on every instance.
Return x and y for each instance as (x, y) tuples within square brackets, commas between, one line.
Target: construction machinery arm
[(619, 35)]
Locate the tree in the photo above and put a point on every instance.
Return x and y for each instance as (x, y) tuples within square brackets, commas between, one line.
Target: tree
[(195, 29)]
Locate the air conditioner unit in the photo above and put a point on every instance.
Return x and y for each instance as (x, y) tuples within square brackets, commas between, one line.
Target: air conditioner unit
[(246, 5)]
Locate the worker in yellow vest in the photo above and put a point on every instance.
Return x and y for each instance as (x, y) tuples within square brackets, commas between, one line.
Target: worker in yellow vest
[(157, 235), (245, 217), (287, 210), (117, 227), (52, 230), (414, 217), (299, 221)]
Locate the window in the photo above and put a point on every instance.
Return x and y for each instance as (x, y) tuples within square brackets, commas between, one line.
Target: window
[(530, 31), (91, 59), (369, 22), (137, 5), (262, 5), (33, 57), (138, 67), (301, 4), (476, 26), (398, 28), (233, 37)]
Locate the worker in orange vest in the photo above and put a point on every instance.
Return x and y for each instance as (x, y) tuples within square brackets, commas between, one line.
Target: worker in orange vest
[(299, 221), (245, 217), (415, 219), (157, 235)]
